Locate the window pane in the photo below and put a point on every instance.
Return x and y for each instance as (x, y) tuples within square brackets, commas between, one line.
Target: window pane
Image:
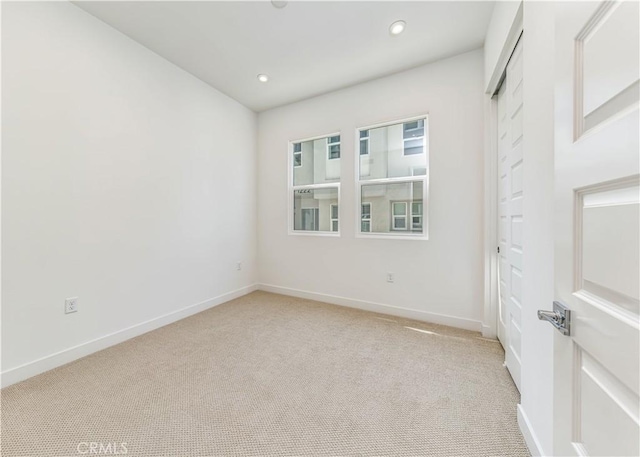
[(364, 147), (387, 157), (297, 147), (334, 226), (390, 206), (416, 209), (365, 226), (399, 223), (364, 134), (311, 208), (334, 151), (413, 129), (413, 146), (400, 209), (334, 211), (366, 211), (314, 167)]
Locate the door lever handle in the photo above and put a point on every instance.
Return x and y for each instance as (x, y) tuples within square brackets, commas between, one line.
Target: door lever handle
[(550, 316), (560, 317)]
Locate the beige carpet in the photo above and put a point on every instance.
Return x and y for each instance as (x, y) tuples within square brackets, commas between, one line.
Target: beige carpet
[(270, 375)]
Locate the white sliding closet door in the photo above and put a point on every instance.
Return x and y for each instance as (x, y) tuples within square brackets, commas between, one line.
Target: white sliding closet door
[(510, 212)]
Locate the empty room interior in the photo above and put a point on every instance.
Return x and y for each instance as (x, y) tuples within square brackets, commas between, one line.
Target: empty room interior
[(320, 228)]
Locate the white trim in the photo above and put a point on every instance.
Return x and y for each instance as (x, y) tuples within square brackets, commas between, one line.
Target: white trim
[(528, 434), (317, 137), (424, 116), (434, 318), (507, 49), (49, 362), (398, 179), (491, 223), (316, 186)]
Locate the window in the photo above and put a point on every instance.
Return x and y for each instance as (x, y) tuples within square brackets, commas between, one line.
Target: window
[(365, 219), (334, 217), (333, 147), (314, 186), (392, 179), (399, 216), (413, 137), (297, 154), (364, 142), (416, 216)]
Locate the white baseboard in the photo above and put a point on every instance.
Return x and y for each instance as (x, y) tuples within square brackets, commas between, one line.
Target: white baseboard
[(14, 375), (425, 316), (529, 435), (489, 332)]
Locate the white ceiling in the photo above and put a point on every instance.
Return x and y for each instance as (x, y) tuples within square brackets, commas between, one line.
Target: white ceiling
[(306, 48)]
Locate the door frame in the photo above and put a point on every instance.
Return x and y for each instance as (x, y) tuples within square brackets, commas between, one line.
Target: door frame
[(491, 291), (535, 409)]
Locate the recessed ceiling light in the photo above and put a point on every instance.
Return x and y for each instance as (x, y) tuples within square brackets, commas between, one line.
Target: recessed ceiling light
[(263, 78), (397, 27), (279, 4)]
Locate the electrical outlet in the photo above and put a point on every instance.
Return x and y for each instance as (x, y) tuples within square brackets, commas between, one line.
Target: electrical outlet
[(390, 277), (71, 305), (239, 266)]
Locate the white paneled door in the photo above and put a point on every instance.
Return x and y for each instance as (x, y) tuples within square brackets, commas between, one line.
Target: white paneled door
[(596, 367), (510, 212)]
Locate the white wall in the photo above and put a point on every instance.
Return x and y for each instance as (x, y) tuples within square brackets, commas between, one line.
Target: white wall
[(502, 19), (441, 276), (126, 182), (536, 409)]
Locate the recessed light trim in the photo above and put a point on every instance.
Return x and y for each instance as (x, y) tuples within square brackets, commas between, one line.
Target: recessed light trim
[(262, 78), (397, 27), (279, 4)]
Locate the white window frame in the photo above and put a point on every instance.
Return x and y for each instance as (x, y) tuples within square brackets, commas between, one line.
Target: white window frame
[(332, 219), (299, 153), (291, 191), (395, 234), (369, 219), (333, 144)]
